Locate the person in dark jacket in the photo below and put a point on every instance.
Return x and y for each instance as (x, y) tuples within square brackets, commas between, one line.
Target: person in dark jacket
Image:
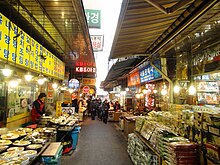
[(117, 106), (105, 108), (75, 104), (38, 108)]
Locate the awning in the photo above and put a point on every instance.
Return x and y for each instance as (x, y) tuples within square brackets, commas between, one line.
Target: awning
[(120, 69), (146, 26)]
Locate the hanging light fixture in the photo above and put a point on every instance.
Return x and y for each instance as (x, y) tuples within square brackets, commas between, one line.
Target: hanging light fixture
[(71, 90), (144, 91), (138, 96), (164, 90), (7, 71), (28, 77), (192, 90), (176, 89), (13, 83), (54, 85), (41, 79)]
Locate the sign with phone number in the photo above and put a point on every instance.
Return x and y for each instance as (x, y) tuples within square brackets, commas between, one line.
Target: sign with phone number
[(149, 73), (18, 47)]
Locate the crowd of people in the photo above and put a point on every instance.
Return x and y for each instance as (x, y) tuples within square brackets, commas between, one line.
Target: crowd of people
[(99, 108), (94, 107)]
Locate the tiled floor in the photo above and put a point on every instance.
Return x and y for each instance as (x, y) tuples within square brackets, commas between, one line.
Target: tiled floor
[(99, 144)]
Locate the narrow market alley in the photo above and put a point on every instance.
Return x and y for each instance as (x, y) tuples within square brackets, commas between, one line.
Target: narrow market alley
[(99, 144)]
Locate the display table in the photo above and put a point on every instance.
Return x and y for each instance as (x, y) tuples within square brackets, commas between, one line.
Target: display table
[(37, 158), (117, 115), (129, 126)]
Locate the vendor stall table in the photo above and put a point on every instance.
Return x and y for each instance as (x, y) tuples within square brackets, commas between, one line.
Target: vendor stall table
[(129, 126)]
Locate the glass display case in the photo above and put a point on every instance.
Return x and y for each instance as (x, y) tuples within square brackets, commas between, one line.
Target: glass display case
[(207, 92)]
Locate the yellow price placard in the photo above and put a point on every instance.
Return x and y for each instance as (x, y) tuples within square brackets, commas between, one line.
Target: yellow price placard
[(58, 108)]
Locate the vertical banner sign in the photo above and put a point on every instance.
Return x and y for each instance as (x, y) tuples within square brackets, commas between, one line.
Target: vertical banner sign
[(93, 18), (58, 108), (18, 47), (97, 42)]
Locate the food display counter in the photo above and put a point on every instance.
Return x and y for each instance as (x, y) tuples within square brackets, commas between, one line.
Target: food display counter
[(26, 145)]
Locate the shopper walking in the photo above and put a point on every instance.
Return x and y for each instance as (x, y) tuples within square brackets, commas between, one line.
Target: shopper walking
[(99, 109), (105, 108), (38, 108), (93, 109)]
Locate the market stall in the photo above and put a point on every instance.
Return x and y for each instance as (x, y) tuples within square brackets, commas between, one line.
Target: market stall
[(27, 145), (184, 135)]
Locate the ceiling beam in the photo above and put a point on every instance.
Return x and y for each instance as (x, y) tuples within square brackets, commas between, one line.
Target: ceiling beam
[(178, 5), (157, 5)]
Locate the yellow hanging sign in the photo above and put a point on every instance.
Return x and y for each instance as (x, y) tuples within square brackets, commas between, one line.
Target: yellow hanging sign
[(18, 47)]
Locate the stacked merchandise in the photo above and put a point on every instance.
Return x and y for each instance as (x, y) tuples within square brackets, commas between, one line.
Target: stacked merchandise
[(174, 149), (183, 153), (139, 152), (177, 150), (139, 122)]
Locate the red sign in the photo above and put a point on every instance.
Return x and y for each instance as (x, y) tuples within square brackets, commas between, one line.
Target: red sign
[(86, 69), (85, 64), (134, 79), (86, 89)]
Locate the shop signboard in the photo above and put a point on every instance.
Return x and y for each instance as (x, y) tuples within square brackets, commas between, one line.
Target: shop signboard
[(88, 81), (93, 18), (85, 67), (19, 48), (69, 110), (134, 79), (149, 73), (86, 89), (74, 83), (97, 42), (67, 97)]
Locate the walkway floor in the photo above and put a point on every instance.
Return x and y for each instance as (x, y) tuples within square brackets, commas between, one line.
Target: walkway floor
[(99, 144)]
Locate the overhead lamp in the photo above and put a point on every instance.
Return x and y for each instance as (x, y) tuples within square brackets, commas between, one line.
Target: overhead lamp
[(176, 89), (54, 85), (145, 91), (164, 92), (155, 91), (71, 90), (7, 71), (192, 90), (41, 79), (28, 77), (138, 96), (13, 83)]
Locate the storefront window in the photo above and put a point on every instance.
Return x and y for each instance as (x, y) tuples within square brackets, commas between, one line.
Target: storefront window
[(19, 99)]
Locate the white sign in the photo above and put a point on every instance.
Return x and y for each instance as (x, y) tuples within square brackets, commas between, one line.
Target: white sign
[(69, 110), (97, 42)]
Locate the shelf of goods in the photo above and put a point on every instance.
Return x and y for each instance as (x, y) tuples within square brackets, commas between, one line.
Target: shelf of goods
[(160, 145), (199, 124)]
